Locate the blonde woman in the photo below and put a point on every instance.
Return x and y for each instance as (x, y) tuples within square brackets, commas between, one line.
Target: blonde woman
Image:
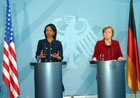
[(107, 49)]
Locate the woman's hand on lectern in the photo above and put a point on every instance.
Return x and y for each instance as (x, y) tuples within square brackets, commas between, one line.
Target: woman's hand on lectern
[(120, 58), (94, 59)]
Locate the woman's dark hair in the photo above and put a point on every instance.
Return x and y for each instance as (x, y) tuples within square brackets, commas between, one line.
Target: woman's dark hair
[(53, 28)]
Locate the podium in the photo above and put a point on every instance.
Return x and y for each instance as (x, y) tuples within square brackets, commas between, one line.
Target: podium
[(111, 79), (48, 79)]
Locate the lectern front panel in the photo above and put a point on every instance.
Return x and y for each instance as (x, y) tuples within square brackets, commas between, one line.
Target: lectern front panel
[(111, 79), (48, 80)]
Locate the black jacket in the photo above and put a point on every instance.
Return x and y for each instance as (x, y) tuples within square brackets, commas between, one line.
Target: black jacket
[(49, 48)]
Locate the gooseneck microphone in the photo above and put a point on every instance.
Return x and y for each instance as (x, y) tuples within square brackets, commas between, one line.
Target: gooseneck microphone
[(108, 52), (50, 51), (109, 49), (112, 53), (112, 50), (44, 49), (108, 46)]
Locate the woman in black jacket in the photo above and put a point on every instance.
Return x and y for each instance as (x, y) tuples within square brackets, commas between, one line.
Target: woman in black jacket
[(50, 49)]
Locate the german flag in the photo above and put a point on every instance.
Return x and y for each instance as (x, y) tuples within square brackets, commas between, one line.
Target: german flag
[(133, 70)]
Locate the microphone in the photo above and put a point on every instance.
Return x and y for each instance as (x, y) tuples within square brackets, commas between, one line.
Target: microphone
[(109, 49), (112, 51), (50, 52), (44, 49)]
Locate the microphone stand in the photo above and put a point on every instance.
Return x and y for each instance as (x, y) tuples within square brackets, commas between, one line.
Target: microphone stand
[(50, 52)]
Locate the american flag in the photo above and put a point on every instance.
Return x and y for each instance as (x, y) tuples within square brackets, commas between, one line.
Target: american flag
[(10, 74)]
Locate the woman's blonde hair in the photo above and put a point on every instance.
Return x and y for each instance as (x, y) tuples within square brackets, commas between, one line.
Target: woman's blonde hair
[(106, 27)]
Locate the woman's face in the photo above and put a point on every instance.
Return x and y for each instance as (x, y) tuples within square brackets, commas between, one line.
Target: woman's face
[(49, 32), (108, 33)]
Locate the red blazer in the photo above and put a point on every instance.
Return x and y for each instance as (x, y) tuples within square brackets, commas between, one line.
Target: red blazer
[(113, 52)]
